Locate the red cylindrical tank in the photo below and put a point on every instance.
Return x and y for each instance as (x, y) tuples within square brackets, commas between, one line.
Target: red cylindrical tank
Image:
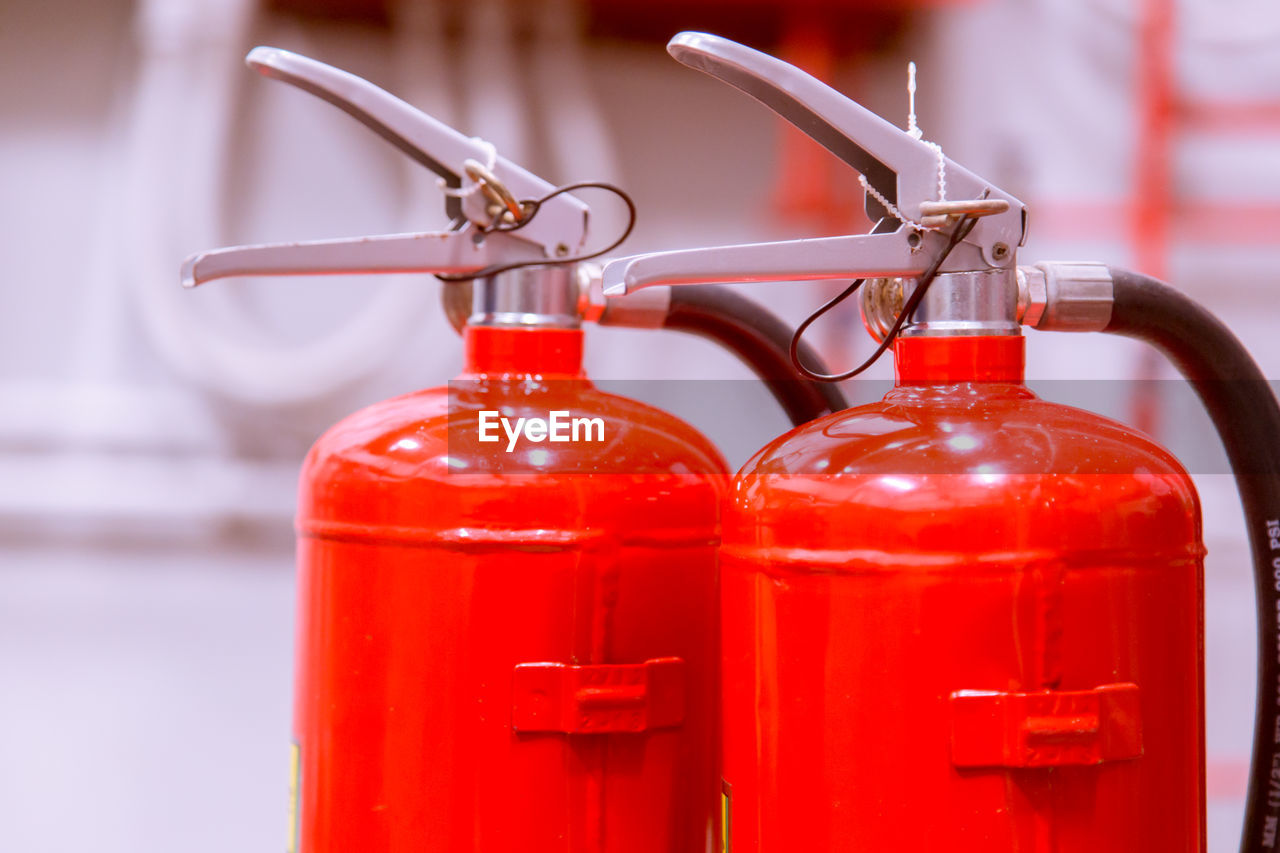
[(963, 618), (508, 651)]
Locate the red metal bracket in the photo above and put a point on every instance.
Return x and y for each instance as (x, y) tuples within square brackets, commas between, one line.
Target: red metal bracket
[(598, 699), (1051, 728)]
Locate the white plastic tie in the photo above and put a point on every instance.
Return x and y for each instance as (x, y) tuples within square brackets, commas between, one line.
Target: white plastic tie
[(885, 203), (942, 169), (893, 209), (913, 130), (491, 160)]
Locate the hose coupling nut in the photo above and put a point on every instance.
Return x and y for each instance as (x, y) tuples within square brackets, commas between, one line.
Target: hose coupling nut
[(1065, 296)]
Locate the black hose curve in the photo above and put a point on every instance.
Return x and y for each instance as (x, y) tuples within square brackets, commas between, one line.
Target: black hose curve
[(761, 340), (1244, 411)]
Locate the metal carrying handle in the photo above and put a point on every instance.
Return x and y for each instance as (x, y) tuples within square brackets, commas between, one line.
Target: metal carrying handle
[(872, 146), (908, 183), (474, 176), (432, 143)]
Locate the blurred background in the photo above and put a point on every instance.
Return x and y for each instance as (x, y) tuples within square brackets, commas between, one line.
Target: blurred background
[(150, 437)]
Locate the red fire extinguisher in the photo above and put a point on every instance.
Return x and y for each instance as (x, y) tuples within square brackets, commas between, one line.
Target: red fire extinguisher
[(965, 618), (507, 635)]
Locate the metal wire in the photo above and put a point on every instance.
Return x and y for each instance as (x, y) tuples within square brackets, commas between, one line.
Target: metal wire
[(530, 208), (962, 229)]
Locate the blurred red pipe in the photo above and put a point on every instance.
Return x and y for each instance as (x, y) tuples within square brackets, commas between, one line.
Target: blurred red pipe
[(1201, 222), (1237, 116), (812, 189), (1152, 187), (1153, 201)]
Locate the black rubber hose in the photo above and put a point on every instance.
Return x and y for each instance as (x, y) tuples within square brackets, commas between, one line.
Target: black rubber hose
[(1243, 409), (761, 340)]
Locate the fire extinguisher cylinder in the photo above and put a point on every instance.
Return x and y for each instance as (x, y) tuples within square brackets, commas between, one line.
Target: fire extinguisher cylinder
[(963, 589), (507, 587), (508, 647)]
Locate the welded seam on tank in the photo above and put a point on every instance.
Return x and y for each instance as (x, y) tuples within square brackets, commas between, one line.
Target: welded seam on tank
[(788, 560), (477, 538)]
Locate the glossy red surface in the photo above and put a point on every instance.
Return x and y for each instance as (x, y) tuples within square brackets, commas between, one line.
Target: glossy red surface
[(963, 536), (432, 565)]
